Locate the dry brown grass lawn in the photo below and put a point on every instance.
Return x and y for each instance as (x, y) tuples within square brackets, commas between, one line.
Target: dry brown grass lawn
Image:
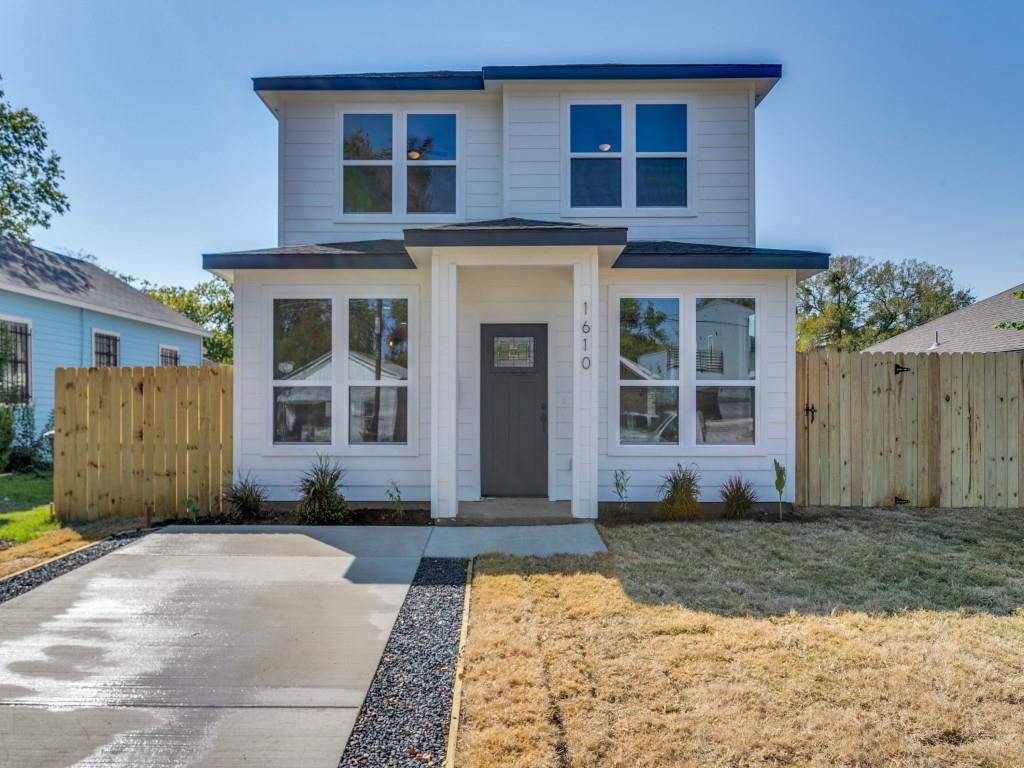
[(60, 542), (867, 638)]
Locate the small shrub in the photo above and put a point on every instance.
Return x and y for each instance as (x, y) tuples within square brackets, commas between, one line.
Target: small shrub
[(622, 490), (30, 451), (191, 508), (245, 499), (738, 496), (780, 483), (394, 495), (680, 490), (322, 502)]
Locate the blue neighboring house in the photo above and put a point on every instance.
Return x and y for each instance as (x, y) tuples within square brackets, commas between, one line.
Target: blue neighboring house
[(61, 312)]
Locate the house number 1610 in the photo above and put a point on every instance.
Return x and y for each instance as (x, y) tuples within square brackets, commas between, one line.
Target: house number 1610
[(585, 329)]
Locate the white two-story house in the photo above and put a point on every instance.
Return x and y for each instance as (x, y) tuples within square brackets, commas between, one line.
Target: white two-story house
[(513, 282)]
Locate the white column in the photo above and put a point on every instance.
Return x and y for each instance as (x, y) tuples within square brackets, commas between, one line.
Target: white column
[(443, 387), (586, 366)]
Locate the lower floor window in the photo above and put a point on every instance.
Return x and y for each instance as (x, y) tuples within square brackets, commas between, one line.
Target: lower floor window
[(649, 415), (725, 415), (106, 350), (302, 415), (378, 415), (15, 388), (170, 356)]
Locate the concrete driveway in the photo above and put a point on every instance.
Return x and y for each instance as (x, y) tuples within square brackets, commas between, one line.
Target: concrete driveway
[(252, 647)]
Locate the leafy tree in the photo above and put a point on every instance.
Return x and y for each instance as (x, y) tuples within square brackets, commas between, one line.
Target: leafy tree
[(643, 328), (857, 302), (1013, 325), (211, 304), (29, 177)]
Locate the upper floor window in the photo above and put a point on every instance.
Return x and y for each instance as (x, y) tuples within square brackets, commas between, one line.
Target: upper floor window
[(377, 179), (106, 349), (15, 346), (630, 158)]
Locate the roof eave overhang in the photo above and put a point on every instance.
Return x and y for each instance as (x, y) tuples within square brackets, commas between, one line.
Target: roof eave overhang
[(455, 238), (808, 264), (219, 262)]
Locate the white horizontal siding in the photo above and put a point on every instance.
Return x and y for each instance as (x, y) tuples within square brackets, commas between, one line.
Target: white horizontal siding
[(776, 401), (366, 477), (720, 158), (310, 151)]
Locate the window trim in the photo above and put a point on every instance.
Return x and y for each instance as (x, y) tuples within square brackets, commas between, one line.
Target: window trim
[(339, 296), (160, 354), (26, 321), (399, 163), (629, 155), (688, 382), (101, 332)]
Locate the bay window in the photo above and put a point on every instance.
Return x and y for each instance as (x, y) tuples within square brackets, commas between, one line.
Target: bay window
[(628, 158), (662, 405), (350, 347), (379, 179)]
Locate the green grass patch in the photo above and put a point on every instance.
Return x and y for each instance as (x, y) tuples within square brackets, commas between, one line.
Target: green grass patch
[(25, 507)]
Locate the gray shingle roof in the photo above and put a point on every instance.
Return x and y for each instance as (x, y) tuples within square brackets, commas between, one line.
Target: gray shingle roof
[(29, 268), (361, 254), (966, 330)]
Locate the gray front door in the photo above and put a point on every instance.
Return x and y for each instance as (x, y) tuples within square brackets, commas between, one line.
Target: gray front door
[(514, 410)]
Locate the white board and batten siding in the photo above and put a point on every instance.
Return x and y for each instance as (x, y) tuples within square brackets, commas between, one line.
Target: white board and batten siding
[(367, 476)]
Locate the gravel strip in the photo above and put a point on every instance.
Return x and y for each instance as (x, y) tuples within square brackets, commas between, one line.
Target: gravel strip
[(23, 582), (404, 719)]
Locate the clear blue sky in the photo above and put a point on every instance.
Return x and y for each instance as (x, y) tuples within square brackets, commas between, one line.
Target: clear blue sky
[(896, 130)]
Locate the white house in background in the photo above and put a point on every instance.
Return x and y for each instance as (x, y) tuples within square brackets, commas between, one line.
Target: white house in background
[(513, 282)]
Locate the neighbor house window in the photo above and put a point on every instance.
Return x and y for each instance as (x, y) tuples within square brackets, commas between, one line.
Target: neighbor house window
[(302, 371), (169, 355), (629, 157), (378, 371), (106, 350), (378, 177), (725, 368), (648, 371), (15, 368)]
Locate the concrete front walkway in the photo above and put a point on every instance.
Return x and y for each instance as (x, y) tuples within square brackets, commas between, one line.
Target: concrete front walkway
[(219, 646)]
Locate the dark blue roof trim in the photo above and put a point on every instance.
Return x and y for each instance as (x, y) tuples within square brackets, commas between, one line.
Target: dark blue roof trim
[(307, 261), (373, 81), (473, 80), (633, 72)]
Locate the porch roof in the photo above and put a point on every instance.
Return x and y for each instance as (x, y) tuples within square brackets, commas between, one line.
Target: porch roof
[(666, 254), (514, 232), (362, 254)]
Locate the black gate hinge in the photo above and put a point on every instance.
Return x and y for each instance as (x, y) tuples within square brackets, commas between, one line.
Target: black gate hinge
[(900, 501), (811, 409), (901, 369)]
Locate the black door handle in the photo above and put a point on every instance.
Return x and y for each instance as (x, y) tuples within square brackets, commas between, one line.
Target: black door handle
[(544, 417)]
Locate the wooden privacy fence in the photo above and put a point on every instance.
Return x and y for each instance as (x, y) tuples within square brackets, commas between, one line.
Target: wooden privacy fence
[(929, 430), (130, 442)]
